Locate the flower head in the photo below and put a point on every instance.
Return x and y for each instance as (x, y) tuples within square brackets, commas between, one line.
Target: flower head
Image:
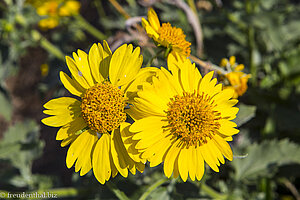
[(92, 123), (183, 121), (166, 35), (53, 10), (236, 77)]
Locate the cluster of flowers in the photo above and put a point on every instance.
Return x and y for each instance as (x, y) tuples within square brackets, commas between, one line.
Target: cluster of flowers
[(53, 10), (181, 119)]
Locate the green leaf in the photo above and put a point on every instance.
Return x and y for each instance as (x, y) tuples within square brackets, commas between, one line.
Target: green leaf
[(263, 159), (245, 113), (5, 107)]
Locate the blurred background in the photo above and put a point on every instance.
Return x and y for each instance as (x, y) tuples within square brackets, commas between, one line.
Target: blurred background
[(264, 35)]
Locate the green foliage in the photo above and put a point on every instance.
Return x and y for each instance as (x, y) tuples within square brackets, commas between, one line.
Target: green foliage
[(274, 154), (263, 34), (19, 147)]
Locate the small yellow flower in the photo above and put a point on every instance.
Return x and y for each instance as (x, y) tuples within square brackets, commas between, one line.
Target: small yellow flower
[(69, 8), (183, 121), (93, 122), (53, 10), (44, 69), (166, 35), (237, 79)]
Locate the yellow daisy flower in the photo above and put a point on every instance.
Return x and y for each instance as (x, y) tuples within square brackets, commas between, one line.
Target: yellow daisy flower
[(166, 35), (92, 122), (53, 10), (184, 121), (237, 79)]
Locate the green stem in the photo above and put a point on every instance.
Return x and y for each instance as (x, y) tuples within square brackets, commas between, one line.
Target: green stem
[(154, 57), (167, 52), (121, 195), (89, 28), (251, 44), (211, 192), (100, 8), (151, 188), (208, 65), (192, 6), (47, 45)]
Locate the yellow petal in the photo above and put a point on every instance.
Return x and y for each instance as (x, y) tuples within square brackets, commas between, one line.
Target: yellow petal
[(101, 159), (76, 73), (58, 120), (192, 162), (129, 143), (83, 66), (70, 128), (124, 65), (70, 85), (81, 149), (227, 127), (69, 140), (94, 59), (183, 163), (223, 146), (200, 164), (146, 124), (223, 95), (156, 153), (170, 159), (61, 102), (153, 19), (64, 109), (209, 158), (152, 33), (84, 162), (205, 83), (144, 75), (215, 150), (120, 156)]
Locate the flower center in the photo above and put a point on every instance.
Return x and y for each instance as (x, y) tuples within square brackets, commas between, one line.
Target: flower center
[(174, 37), (192, 119), (102, 107)]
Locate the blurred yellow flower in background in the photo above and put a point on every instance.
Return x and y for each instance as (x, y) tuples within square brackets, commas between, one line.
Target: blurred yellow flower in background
[(183, 121), (92, 123), (236, 77), (53, 10), (165, 35)]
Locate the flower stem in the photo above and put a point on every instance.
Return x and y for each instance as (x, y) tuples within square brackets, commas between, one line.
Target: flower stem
[(121, 195), (89, 28), (119, 8), (152, 187), (154, 57), (211, 192), (37, 36), (207, 65)]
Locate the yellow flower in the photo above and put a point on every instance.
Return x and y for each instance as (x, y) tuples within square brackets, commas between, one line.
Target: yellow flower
[(166, 35), (92, 122), (238, 81), (183, 121), (53, 10), (44, 69), (69, 8)]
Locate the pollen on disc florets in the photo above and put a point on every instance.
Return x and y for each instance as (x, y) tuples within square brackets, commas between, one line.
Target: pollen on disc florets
[(174, 37), (192, 119), (102, 107)]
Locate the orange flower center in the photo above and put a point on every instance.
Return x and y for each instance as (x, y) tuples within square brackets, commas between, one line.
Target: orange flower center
[(192, 119), (175, 38), (102, 107)]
